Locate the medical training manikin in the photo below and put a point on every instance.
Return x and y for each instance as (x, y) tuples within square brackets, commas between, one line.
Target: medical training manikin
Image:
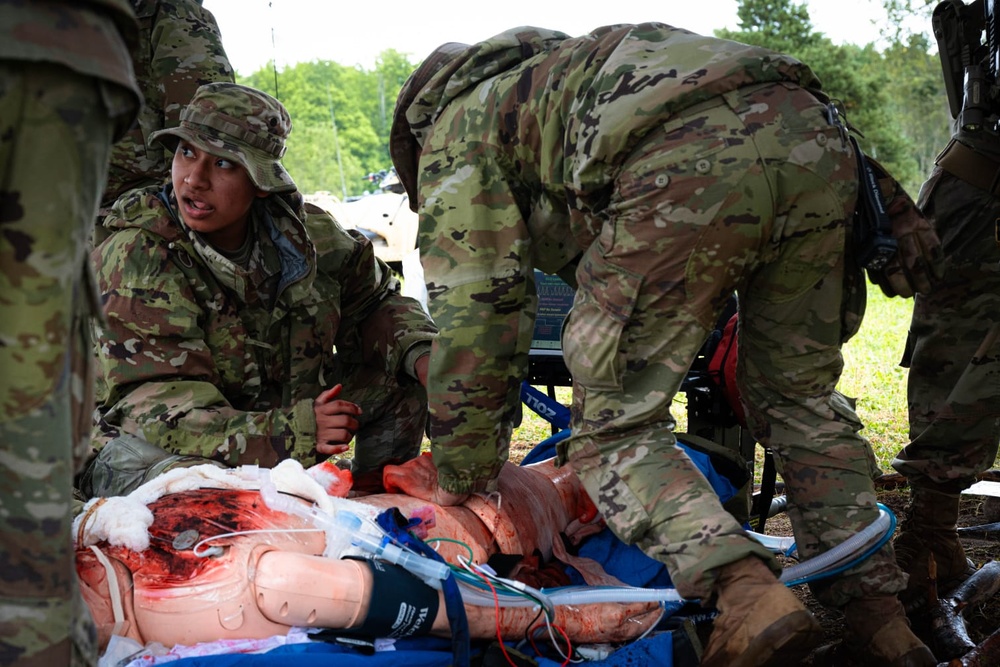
[(204, 554)]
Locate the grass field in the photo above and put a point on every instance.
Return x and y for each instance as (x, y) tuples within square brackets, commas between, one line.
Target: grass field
[(872, 375)]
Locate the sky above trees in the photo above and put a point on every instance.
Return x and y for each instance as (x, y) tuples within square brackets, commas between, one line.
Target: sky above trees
[(355, 33)]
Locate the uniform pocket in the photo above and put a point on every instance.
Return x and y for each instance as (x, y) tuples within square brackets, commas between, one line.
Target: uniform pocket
[(593, 331)]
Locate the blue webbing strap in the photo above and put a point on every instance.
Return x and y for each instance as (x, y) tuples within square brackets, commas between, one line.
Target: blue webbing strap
[(390, 521)]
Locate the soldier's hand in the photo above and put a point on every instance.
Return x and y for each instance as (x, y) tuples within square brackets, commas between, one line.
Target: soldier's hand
[(419, 478), (919, 260), (335, 422)]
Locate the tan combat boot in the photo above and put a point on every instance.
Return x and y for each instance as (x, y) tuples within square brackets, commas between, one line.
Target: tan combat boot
[(929, 527), (878, 634), (760, 621)]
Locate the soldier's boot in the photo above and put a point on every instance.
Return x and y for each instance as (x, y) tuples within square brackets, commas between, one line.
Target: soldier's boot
[(929, 527), (878, 634), (760, 622)]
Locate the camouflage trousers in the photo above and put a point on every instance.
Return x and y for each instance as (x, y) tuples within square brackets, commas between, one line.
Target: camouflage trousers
[(393, 421), (751, 192), (391, 429), (953, 346), (55, 137)]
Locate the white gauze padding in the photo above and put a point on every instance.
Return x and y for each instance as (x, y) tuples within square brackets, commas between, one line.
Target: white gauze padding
[(124, 520), (121, 520)]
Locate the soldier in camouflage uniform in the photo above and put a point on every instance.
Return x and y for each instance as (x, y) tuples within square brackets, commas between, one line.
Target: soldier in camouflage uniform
[(179, 49), (66, 93), (953, 355), (657, 171), (234, 313)]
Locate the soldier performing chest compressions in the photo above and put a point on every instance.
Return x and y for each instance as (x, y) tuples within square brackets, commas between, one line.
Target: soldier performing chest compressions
[(658, 171)]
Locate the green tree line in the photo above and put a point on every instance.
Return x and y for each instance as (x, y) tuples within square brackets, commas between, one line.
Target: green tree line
[(895, 96), (340, 119)]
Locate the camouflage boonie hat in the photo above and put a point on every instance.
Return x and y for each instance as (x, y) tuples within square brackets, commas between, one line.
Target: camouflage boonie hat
[(240, 123)]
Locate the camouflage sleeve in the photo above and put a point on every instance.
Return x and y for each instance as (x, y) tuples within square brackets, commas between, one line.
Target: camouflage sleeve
[(475, 249), (160, 379), (187, 52), (377, 323), (180, 49)]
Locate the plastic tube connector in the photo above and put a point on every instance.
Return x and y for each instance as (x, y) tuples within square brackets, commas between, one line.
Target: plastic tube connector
[(432, 572), (346, 525)]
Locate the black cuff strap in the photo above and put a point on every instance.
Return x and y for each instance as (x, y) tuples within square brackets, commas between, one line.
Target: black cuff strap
[(401, 604)]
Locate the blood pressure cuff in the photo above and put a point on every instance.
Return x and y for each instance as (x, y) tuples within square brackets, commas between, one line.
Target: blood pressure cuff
[(401, 604)]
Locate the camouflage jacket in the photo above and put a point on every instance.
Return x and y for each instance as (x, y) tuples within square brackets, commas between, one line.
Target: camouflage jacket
[(179, 49), (91, 37), (196, 360), (519, 140)]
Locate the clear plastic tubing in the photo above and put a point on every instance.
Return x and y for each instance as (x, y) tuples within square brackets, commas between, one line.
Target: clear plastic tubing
[(572, 596), (841, 553), (346, 528), (856, 543), (598, 594)]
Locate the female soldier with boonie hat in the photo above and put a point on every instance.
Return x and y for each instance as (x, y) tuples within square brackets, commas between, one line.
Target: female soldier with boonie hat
[(236, 315), (241, 123)]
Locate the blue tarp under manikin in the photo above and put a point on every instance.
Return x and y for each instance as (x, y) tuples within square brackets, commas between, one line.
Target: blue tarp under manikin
[(422, 652)]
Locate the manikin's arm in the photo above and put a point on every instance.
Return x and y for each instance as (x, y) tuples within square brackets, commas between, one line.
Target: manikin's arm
[(299, 590)]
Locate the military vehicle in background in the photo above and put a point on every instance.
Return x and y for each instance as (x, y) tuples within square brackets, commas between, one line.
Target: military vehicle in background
[(384, 216)]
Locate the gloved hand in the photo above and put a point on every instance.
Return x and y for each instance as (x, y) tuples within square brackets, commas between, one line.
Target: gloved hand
[(919, 260)]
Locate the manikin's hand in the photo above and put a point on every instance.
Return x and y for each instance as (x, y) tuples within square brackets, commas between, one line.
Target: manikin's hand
[(335, 422), (578, 529), (588, 522), (419, 478)]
